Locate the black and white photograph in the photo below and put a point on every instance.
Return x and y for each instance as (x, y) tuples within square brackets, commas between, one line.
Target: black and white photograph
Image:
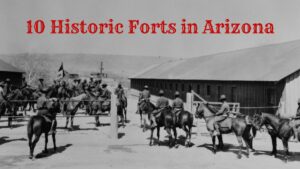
[(154, 84)]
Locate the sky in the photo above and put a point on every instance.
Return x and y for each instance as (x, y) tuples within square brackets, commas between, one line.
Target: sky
[(14, 14)]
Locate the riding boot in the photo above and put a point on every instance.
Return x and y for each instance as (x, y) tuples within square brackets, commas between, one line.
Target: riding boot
[(217, 131), (295, 134), (154, 124)]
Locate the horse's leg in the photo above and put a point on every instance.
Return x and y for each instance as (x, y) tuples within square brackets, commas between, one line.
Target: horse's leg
[(36, 139), (274, 145), (30, 135), (158, 134), (168, 130), (46, 142), (125, 114), (246, 140), (240, 141), (175, 136), (97, 120), (151, 137), (214, 144), (67, 121), (190, 134), (54, 136), (286, 149), (221, 144), (186, 135), (72, 120)]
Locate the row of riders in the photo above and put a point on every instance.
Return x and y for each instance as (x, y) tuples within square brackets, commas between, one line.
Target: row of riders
[(218, 121), (67, 98)]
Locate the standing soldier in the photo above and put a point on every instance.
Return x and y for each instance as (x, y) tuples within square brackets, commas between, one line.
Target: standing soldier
[(294, 124), (119, 92), (177, 105), (221, 114), (7, 87), (3, 100), (161, 103)]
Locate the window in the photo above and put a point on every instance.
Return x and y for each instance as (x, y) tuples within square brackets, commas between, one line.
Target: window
[(219, 91), (271, 96), (198, 89), (190, 88), (182, 87), (176, 87), (171, 86), (233, 94), (208, 90)]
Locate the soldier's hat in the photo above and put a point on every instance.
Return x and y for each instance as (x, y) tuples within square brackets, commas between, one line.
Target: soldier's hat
[(161, 92), (146, 87), (299, 100), (177, 93), (104, 85), (223, 97), (7, 80), (41, 79)]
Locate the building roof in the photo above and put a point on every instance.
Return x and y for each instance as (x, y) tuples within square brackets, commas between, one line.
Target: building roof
[(265, 63), (5, 67)]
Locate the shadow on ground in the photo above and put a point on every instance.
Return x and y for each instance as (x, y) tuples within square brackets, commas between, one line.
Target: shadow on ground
[(4, 140), (51, 151)]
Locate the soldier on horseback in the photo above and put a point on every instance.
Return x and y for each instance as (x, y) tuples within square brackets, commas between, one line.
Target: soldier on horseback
[(43, 109), (161, 103), (105, 96), (7, 87), (221, 114), (144, 96), (177, 105)]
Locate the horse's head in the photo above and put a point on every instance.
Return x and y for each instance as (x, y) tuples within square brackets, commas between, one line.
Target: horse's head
[(200, 111), (54, 105), (257, 120)]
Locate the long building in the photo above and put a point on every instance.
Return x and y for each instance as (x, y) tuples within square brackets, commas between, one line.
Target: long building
[(11, 72), (263, 76)]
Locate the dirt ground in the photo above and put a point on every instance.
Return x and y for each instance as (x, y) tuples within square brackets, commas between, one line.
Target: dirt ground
[(89, 147)]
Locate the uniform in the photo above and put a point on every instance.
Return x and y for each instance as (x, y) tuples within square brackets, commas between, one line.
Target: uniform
[(144, 95), (221, 115), (162, 102)]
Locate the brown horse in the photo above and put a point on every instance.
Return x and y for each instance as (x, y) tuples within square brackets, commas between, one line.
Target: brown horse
[(237, 125), (165, 118), (39, 124), (277, 128), (185, 121)]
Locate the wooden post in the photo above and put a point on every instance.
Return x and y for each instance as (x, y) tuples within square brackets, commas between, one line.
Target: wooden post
[(113, 118), (189, 102)]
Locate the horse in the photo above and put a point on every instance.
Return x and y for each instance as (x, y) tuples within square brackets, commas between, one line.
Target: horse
[(12, 104), (39, 124), (237, 125), (71, 106), (165, 118), (122, 109), (185, 121), (281, 128), (145, 107)]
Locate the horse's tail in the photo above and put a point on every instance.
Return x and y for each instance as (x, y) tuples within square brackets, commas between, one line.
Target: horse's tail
[(30, 130)]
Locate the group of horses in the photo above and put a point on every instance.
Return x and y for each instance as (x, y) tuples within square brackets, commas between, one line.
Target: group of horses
[(243, 126), (37, 125)]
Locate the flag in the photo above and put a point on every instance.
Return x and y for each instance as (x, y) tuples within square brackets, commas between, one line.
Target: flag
[(61, 72)]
